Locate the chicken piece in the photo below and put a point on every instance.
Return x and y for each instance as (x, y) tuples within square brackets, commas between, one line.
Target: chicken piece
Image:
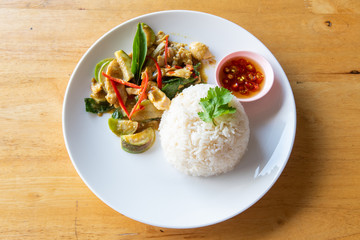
[(151, 84), (150, 68), (159, 50), (171, 54), (97, 91), (148, 113), (96, 86), (177, 45), (176, 52), (182, 72), (160, 37), (136, 91), (132, 91), (183, 56), (114, 70), (161, 60), (158, 98), (200, 51), (99, 97), (150, 50)]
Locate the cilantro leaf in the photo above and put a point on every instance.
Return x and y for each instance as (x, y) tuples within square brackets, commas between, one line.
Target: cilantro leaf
[(215, 104)]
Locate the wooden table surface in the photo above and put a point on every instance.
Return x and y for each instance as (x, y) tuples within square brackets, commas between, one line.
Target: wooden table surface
[(316, 41)]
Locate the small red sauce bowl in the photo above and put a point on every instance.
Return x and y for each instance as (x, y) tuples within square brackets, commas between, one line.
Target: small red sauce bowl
[(259, 62)]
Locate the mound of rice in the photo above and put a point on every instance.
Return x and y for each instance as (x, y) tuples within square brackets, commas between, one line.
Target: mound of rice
[(198, 148)]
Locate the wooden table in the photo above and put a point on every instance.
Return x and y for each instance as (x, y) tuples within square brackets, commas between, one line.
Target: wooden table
[(316, 41)]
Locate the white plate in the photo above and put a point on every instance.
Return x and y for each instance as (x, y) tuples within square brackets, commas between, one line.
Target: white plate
[(145, 187)]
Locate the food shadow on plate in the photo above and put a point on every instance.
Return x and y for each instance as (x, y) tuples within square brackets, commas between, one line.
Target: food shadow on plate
[(266, 131)]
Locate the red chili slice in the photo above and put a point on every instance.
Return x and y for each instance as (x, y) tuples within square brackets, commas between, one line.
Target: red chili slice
[(159, 77), (120, 81), (121, 103), (141, 96), (166, 53)]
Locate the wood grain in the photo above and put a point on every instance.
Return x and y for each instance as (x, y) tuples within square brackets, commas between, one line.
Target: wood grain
[(318, 195)]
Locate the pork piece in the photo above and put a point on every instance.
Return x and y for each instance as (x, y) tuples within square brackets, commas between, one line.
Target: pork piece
[(114, 70), (200, 51)]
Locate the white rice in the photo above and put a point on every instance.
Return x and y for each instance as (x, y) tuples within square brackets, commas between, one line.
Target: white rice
[(198, 148)]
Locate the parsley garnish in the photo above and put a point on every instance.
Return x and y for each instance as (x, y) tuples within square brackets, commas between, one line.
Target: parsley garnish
[(216, 104)]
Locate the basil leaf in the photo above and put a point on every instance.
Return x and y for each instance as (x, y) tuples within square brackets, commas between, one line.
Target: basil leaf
[(170, 89), (185, 81), (118, 114), (170, 80), (139, 52), (96, 107), (197, 68)]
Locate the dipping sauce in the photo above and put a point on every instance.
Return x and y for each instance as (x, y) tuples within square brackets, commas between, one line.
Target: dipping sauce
[(243, 77)]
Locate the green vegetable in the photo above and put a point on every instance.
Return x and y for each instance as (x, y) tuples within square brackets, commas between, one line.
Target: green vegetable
[(138, 142), (149, 112), (122, 127), (150, 35), (171, 88), (139, 52), (96, 107), (186, 81), (118, 114), (216, 104), (196, 68), (100, 67), (125, 64)]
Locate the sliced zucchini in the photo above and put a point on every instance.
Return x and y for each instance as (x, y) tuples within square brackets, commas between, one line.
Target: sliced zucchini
[(138, 142), (150, 35), (149, 112), (153, 123), (125, 64), (101, 67), (122, 127)]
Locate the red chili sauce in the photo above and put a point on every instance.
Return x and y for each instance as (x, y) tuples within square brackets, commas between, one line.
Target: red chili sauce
[(243, 77)]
